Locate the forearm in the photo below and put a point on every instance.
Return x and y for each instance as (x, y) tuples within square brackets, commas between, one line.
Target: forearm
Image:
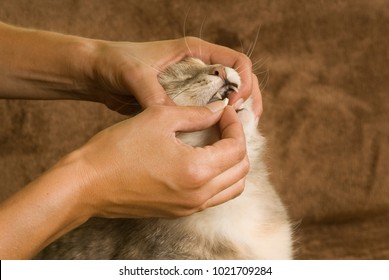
[(40, 213), (43, 65)]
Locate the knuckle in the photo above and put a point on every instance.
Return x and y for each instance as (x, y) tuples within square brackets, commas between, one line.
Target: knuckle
[(245, 166), (199, 200), (183, 212), (192, 205), (241, 150), (194, 173), (193, 177), (198, 203), (158, 112), (155, 99), (189, 40), (247, 61), (239, 189), (192, 39)]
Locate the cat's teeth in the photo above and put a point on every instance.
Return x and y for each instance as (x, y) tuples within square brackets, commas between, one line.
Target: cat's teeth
[(234, 88), (218, 96)]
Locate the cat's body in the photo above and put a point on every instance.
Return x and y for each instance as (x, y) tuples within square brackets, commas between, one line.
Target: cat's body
[(252, 226)]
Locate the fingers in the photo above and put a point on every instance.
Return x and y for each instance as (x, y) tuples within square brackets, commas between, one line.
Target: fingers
[(225, 195), (212, 53), (202, 165), (227, 185), (148, 91), (188, 119), (222, 188), (212, 160), (231, 149)]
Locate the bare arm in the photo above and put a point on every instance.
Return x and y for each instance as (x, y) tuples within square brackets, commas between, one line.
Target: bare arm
[(41, 212), (38, 64), (42, 65)]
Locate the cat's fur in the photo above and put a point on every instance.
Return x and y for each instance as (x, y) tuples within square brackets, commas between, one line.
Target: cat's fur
[(252, 226)]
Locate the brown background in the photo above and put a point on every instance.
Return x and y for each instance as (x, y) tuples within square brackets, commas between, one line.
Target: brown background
[(324, 70)]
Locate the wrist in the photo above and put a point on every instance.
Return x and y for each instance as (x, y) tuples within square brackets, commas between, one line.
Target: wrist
[(107, 69), (68, 196), (73, 170)]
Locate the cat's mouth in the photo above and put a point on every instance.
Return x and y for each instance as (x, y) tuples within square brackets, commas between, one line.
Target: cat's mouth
[(224, 92)]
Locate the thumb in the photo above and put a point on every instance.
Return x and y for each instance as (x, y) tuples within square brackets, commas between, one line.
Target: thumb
[(188, 119)]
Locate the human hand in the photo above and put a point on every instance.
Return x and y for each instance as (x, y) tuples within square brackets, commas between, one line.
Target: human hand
[(123, 70), (138, 168), (113, 73)]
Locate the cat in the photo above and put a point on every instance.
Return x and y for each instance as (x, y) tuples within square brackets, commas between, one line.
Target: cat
[(254, 225)]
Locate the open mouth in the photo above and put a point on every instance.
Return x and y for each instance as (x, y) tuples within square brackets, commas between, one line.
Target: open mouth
[(224, 92)]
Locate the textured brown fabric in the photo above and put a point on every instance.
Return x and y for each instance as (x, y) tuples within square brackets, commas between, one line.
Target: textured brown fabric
[(324, 69)]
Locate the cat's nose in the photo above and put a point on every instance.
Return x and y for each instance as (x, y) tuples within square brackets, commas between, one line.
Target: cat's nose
[(219, 71)]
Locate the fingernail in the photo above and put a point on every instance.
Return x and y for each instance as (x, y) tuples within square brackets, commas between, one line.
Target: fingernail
[(217, 105)]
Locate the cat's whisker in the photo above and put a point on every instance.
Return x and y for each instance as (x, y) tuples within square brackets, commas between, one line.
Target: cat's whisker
[(200, 35), (240, 72), (264, 81), (178, 94), (251, 50), (237, 68), (124, 103), (260, 73), (253, 69), (258, 69), (184, 31), (262, 62), (121, 107), (241, 46), (158, 71)]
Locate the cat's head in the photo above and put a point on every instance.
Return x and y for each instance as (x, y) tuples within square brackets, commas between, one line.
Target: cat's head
[(191, 82)]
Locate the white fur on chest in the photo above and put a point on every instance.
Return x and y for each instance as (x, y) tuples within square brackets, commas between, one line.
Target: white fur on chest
[(255, 223)]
